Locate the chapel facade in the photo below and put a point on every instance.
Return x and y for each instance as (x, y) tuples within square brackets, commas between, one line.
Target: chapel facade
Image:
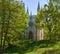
[(32, 33)]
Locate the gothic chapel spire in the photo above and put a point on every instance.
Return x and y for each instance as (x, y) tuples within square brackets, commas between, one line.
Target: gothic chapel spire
[(31, 16), (27, 10), (38, 7)]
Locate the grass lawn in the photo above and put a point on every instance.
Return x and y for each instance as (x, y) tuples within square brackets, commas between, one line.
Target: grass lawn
[(35, 47)]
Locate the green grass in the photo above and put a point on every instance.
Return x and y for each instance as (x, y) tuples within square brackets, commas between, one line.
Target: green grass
[(35, 47)]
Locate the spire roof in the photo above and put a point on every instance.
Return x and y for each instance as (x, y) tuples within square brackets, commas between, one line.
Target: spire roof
[(31, 15), (38, 8), (27, 10)]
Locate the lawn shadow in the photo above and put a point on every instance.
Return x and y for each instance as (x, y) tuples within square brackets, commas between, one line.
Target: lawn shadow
[(28, 46)]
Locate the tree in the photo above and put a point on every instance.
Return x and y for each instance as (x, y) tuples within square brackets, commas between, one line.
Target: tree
[(50, 17), (13, 22)]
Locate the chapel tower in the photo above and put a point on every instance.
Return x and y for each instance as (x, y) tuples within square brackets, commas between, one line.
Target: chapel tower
[(38, 7)]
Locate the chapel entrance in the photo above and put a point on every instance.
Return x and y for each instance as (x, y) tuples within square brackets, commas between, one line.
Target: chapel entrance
[(30, 35)]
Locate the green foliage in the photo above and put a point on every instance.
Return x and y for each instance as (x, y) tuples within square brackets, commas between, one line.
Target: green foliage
[(13, 21), (49, 18), (33, 47)]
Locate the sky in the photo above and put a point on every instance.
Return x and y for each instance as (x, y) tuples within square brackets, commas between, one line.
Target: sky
[(32, 5)]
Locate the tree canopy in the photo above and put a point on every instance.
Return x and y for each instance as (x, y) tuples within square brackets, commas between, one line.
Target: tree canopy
[(48, 19), (13, 21)]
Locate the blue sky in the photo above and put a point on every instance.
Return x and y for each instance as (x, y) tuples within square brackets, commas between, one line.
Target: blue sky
[(32, 5)]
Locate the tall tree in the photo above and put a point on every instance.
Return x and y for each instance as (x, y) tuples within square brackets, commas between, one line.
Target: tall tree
[(48, 18), (13, 21)]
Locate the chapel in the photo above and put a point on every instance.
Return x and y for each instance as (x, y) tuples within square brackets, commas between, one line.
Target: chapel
[(32, 33)]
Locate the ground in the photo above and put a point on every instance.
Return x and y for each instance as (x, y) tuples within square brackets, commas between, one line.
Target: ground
[(35, 47)]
